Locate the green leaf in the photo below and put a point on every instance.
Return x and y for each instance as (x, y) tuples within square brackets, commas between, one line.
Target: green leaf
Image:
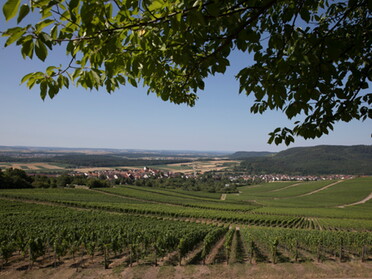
[(31, 82), (42, 24), (305, 15), (50, 70), (271, 139), (46, 39), (288, 140), (66, 82), (27, 49), (179, 17), (88, 79), (213, 9), (96, 78), (25, 9), (73, 4), (277, 130), (40, 50), (253, 36), (43, 89), (278, 140), (53, 90), (10, 9), (54, 32), (132, 81), (16, 34), (155, 5), (197, 3), (26, 77), (60, 81)]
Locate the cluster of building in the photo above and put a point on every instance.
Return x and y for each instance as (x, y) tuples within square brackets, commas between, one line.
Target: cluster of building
[(133, 174), (284, 177), (146, 172)]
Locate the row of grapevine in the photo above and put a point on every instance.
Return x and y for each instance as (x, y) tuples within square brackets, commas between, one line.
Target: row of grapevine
[(288, 244), (210, 239), (164, 210), (160, 196), (227, 245), (36, 231), (56, 232), (95, 200)]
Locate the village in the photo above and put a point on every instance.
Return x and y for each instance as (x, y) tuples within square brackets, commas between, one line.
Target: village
[(146, 172)]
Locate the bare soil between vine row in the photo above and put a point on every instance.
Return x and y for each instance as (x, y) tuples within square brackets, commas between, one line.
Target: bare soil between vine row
[(218, 271)]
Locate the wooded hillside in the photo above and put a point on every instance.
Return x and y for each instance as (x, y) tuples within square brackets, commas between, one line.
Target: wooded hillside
[(323, 159)]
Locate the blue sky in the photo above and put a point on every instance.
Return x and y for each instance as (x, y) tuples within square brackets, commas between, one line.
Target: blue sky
[(130, 119)]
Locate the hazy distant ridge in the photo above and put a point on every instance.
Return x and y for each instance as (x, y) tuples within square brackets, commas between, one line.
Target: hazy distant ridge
[(241, 155)]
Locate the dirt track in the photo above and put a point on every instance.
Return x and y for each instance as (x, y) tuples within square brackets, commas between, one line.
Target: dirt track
[(311, 193), (290, 186), (356, 203), (218, 271), (321, 189)]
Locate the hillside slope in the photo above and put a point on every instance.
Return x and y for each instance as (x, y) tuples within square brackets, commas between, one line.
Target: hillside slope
[(322, 159)]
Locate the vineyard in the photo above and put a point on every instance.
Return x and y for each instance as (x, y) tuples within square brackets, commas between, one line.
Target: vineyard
[(131, 226)]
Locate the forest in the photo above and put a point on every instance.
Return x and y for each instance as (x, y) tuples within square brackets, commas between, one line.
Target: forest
[(314, 160)]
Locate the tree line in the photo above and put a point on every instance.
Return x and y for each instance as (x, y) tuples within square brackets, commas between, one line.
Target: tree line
[(17, 179)]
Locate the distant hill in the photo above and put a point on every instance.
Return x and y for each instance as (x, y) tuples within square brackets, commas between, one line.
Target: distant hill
[(128, 153), (101, 157), (322, 159), (241, 155)]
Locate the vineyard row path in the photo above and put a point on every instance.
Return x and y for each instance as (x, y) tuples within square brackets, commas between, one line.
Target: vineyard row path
[(356, 203), (321, 189), (313, 192), (290, 186), (130, 198), (214, 251)]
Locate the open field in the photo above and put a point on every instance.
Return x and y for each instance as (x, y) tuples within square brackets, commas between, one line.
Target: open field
[(191, 167), (142, 232), (198, 166)]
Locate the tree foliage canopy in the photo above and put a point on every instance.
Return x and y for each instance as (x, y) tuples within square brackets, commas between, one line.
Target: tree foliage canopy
[(312, 58)]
